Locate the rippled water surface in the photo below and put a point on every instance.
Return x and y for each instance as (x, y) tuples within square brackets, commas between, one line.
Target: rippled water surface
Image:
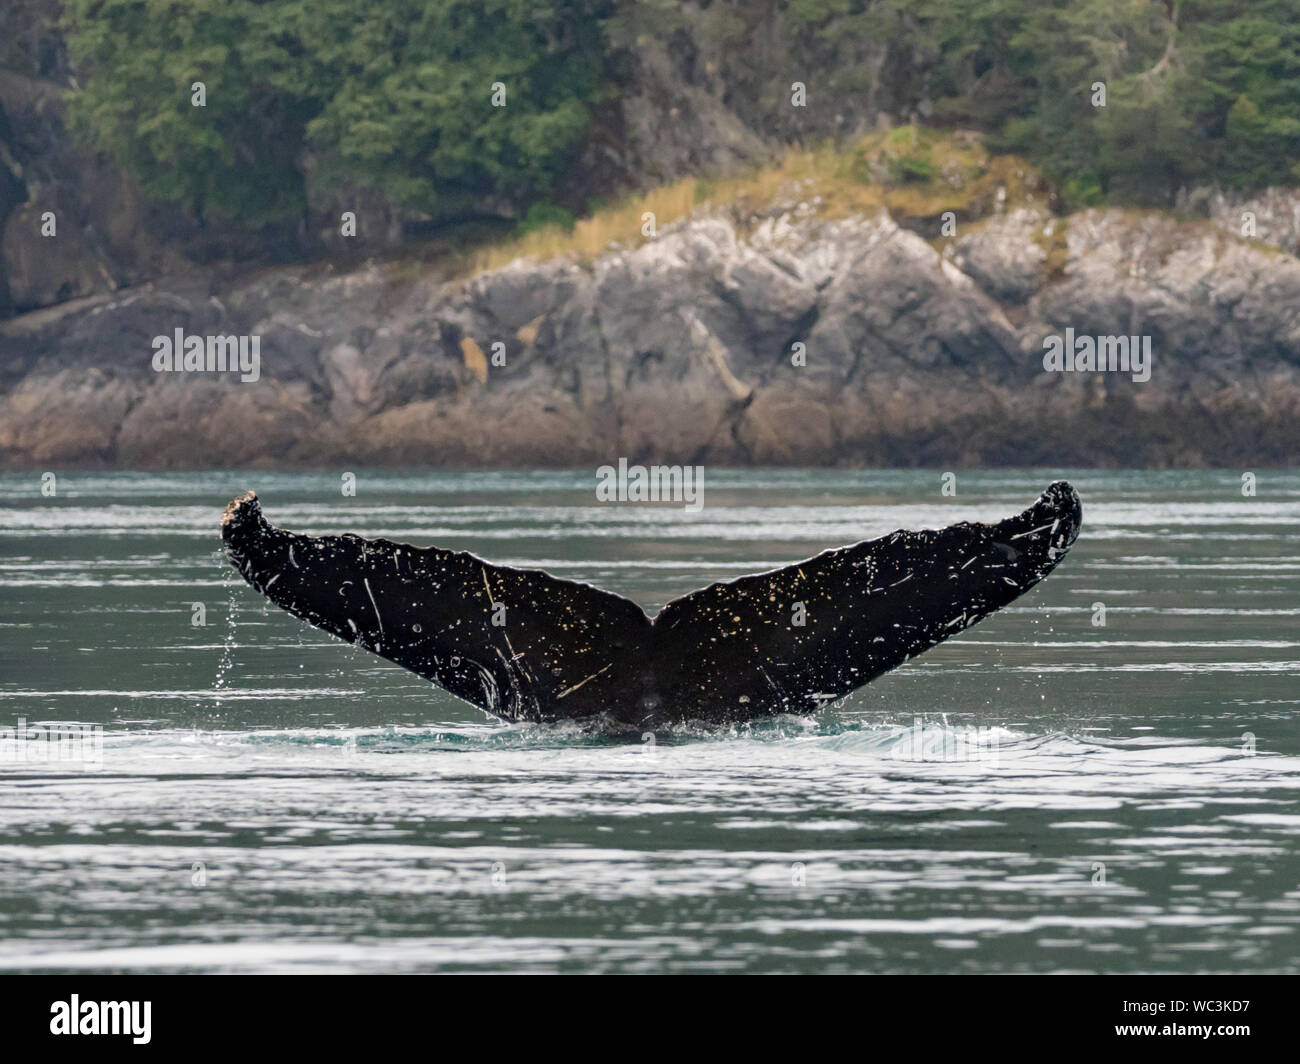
[(1042, 793)]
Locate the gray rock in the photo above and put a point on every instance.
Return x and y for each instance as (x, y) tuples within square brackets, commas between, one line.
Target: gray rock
[(1003, 254), (682, 349)]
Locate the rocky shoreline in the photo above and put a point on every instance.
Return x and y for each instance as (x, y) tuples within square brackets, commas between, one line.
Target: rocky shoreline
[(780, 340)]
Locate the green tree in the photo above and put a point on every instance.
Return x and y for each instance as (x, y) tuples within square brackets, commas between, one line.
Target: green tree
[(1196, 90), (1245, 98), (237, 154), (303, 96), (413, 114)]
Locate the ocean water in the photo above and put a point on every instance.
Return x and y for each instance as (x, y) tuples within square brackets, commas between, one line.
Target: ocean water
[(1043, 793)]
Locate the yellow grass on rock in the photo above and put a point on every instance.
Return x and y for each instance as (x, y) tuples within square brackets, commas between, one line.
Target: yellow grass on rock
[(911, 171)]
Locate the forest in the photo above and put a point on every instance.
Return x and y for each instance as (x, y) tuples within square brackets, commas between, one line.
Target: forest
[(261, 109)]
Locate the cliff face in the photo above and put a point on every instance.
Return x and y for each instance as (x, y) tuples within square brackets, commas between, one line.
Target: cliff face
[(685, 349), (107, 236), (694, 100)]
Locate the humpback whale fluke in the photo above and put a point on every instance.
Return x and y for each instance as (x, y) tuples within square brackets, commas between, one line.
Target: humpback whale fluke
[(524, 645)]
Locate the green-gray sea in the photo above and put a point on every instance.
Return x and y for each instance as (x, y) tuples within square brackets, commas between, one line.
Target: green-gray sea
[(1103, 777)]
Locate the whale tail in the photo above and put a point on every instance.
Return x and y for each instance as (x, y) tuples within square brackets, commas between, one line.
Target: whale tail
[(525, 645)]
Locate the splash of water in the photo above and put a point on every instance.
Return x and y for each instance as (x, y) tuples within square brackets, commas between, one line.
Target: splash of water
[(227, 660)]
